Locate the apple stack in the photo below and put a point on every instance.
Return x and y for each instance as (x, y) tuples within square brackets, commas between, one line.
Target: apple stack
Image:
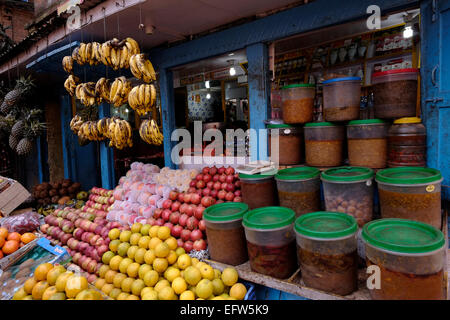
[(84, 235), (100, 202)]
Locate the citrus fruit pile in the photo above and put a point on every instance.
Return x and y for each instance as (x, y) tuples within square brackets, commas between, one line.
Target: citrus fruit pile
[(10, 242), (54, 282), (146, 263)]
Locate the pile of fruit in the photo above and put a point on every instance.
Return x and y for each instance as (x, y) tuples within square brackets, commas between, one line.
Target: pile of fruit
[(10, 242), (54, 282), (83, 234), (146, 263), (59, 192), (100, 202)]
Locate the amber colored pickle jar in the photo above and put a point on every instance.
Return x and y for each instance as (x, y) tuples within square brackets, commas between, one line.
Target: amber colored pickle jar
[(324, 144), (259, 190), (367, 143), (290, 143), (349, 190), (299, 189), (298, 103), (407, 143), (341, 99), (327, 251), (411, 193), (225, 233), (410, 257), (271, 241)]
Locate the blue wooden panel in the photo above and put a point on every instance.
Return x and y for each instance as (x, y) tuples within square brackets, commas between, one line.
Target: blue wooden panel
[(259, 98), (318, 14), (39, 160), (168, 113), (106, 154)]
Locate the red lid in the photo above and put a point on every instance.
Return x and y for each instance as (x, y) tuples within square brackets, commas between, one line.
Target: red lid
[(384, 73)]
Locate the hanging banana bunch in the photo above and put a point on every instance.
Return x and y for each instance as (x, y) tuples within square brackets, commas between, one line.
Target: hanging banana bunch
[(119, 133), (87, 53), (85, 92), (71, 84), (142, 98), (149, 132), (120, 89), (103, 89), (142, 68), (67, 64), (75, 124), (89, 131), (116, 54)]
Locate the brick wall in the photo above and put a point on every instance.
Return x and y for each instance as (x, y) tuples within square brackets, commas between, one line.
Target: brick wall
[(18, 18)]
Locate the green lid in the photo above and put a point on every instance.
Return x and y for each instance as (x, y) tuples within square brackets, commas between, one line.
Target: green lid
[(299, 85), (320, 124), (401, 235), (408, 175), (279, 125), (326, 225), (226, 211), (258, 176), (269, 218), (297, 173), (343, 174), (367, 121)]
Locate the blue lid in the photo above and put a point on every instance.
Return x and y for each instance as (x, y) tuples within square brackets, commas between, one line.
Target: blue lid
[(342, 79)]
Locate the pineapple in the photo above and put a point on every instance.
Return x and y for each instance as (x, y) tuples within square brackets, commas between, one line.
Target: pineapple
[(13, 142), (21, 90), (24, 146), (18, 129)]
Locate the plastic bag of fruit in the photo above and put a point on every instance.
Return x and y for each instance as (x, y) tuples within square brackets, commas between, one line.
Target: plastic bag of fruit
[(21, 223)]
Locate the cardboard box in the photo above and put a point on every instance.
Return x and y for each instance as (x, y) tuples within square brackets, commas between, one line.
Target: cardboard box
[(12, 195)]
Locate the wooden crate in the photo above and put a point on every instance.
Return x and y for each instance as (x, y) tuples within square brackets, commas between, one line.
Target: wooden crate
[(13, 196)]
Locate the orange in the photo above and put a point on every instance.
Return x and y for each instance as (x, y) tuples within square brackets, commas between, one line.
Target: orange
[(39, 289), (41, 271), (3, 232), (14, 236), (29, 285), (27, 237), (2, 242), (10, 246), (49, 292), (1, 254)]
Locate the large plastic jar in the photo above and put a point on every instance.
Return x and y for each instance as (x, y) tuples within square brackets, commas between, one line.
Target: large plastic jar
[(395, 93), (290, 143), (349, 190), (299, 189), (226, 236), (367, 143), (411, 193), (259, 190), (271, 241), (407, 143), (324, 144), (298, 103), (408, 257), (327, 251), (341, 99)]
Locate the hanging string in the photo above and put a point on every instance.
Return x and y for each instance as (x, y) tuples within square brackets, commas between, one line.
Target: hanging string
[(141, 27), (118, 37), (104, 37), (82, 40)]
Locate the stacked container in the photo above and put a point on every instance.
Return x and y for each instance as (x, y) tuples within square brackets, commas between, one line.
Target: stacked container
[(259, 190), (226, 237), (411, 193), (299, 189), (341, 99), (324, 144), (327, 254), (367, 143), (395, 93), (290, 143), (349, 190), (409, 257), (271, 241), (298, 103)]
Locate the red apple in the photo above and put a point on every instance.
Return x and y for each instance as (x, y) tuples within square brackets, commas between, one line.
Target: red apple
[(229, 171), (198, 212), (199, 177), (166, 214), (199, 192), (192, 183), (189, 210), (200, 184), (192, 223), (169, 225), (174, 217), (206, 192), (167, 204), (213, 193), (157, 213), (183, 219), (229, 196), (202, 225), (205, 170), (188, 245), (210, 184), (237, 199), (192, 189), (221, 194), (173, 195), (215, 177), (159, 222), (176, 231), (207, 201), (213, 170), (180, 243), (181, 197), (151, 221), (221, 170), (196, 235), (199, 245), (185, 235), (195, 198), (237, 193), (207, 178), (237, 184), (217, 185), (222, 178), (187, 198), (230, 187)]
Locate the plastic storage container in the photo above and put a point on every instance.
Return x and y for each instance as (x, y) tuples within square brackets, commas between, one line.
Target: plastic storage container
[(271, 241), (341, 99), (299, 189), (298, 103), (395, 93), (327, 253), (324, 143), (411, 193), (410, 256), (349, 190), (407, 143), (259, 190), (290, 143), (367, 143), (226, 236)]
